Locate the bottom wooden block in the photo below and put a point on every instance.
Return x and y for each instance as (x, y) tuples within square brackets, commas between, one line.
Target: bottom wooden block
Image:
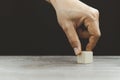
[(85, 57)]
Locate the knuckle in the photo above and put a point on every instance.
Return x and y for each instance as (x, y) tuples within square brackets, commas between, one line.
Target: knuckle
[(97, 35), (96, 11), (94, 14), (65, 28), (74, 43)]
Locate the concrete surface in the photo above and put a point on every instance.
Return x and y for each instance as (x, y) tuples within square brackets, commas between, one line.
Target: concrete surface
[(58, 68)]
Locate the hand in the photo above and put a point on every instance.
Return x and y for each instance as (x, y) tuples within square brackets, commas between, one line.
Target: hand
[(71, 14)]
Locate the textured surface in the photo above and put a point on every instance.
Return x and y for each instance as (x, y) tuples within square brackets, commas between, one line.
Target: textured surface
[(58, 68), (85, 57)]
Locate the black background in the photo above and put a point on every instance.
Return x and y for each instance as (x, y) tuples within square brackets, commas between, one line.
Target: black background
[(29, 27)]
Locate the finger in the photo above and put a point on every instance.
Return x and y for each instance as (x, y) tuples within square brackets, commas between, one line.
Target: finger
[(72, 36), (94, 31), (83, 33)]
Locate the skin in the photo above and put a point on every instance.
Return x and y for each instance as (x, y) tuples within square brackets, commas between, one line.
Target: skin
[(71, 14)]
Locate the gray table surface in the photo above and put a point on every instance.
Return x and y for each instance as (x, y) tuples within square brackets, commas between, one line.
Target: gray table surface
[(58, 68)]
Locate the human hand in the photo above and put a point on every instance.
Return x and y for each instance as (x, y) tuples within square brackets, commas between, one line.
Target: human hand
[(71, 14)]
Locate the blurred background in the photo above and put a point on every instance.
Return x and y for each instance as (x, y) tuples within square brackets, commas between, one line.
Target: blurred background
[(30, 27)]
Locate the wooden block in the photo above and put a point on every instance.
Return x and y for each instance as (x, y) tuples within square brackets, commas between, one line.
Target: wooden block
[(85, 57)]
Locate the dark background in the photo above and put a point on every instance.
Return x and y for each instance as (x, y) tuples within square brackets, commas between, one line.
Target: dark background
[(29, 27)]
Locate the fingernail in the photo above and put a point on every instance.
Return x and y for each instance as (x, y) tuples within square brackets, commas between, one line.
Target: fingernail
[(77, 51)]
